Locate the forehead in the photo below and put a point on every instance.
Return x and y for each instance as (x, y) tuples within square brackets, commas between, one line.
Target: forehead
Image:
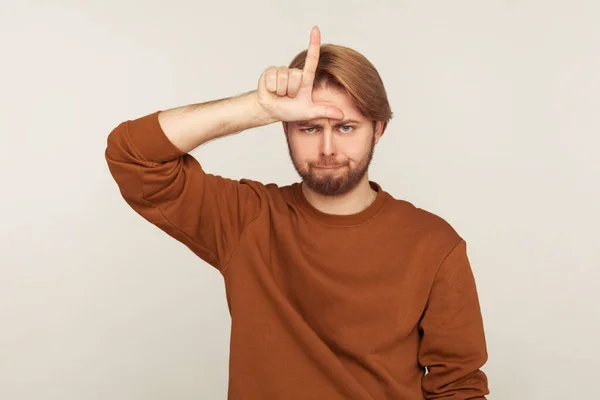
[(338, 98)]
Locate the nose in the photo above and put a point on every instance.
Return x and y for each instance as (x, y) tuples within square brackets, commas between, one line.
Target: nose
[(327, 142)]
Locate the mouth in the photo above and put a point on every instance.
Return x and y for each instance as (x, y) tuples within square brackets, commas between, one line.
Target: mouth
[(327, 166)]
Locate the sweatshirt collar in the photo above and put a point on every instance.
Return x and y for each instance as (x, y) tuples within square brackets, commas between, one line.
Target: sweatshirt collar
[(341, 220)]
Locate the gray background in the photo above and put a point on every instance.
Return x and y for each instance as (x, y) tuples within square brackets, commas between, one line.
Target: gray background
[(496, 129)]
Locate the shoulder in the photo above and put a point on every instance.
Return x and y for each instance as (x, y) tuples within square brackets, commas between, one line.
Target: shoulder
[(271, 193), (421, 225)]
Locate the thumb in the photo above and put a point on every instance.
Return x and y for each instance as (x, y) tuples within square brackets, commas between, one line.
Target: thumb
[(326, 112)]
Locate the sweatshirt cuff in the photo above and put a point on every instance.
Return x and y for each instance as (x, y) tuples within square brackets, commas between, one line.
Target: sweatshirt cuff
[(150, 141)]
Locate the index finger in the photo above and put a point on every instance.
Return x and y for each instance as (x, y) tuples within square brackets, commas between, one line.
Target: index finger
[(312, 57)]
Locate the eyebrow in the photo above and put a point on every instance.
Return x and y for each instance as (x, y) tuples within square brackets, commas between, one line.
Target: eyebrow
[(342, 123)]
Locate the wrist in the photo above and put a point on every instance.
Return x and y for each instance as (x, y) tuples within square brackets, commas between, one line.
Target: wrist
[(262, 115)]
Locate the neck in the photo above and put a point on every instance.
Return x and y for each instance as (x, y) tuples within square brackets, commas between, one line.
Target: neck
[(352, 202)]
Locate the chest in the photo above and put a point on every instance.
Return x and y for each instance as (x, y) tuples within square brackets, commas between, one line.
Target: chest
[(349, 285)]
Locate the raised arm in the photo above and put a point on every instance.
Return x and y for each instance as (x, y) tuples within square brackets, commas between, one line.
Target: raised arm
[(149, 160)]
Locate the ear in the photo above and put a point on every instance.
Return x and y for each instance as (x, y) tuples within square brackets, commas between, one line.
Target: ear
[(379, 130)]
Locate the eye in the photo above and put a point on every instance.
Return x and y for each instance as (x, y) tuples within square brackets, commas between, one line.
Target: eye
[(308, 130), (346, 130)]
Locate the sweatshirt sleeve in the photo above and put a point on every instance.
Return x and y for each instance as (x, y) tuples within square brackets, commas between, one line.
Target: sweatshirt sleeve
[(453, 346), (168, 188)]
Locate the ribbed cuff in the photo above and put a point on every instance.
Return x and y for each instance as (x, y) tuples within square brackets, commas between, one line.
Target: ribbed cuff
[(149, 139)]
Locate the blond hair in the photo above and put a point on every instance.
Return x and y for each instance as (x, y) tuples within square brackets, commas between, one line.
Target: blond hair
[(347, 69)]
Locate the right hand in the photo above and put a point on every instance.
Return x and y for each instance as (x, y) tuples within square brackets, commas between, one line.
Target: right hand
[(286, 93)]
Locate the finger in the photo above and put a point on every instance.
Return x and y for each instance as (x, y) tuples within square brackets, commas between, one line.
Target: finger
[(282, 81), (312, 58), (326, 112), (294, 81), (271, 79)]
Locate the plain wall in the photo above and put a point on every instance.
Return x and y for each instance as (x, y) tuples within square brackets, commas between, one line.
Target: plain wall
[(496, 129)]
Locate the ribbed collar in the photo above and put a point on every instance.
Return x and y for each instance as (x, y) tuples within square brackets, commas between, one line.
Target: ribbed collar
[(341, 220)]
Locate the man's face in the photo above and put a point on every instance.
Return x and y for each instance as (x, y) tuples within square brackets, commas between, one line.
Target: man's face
[(332, 156)]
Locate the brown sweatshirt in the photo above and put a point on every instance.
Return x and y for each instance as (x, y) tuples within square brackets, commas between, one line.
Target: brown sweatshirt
[(322, 306)]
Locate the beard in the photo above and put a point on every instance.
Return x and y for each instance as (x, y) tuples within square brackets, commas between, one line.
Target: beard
[(335, 182)]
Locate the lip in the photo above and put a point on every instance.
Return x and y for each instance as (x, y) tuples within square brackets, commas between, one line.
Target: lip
[(328, 167)]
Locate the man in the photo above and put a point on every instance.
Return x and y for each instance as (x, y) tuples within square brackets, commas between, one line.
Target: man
[(336, 289)]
